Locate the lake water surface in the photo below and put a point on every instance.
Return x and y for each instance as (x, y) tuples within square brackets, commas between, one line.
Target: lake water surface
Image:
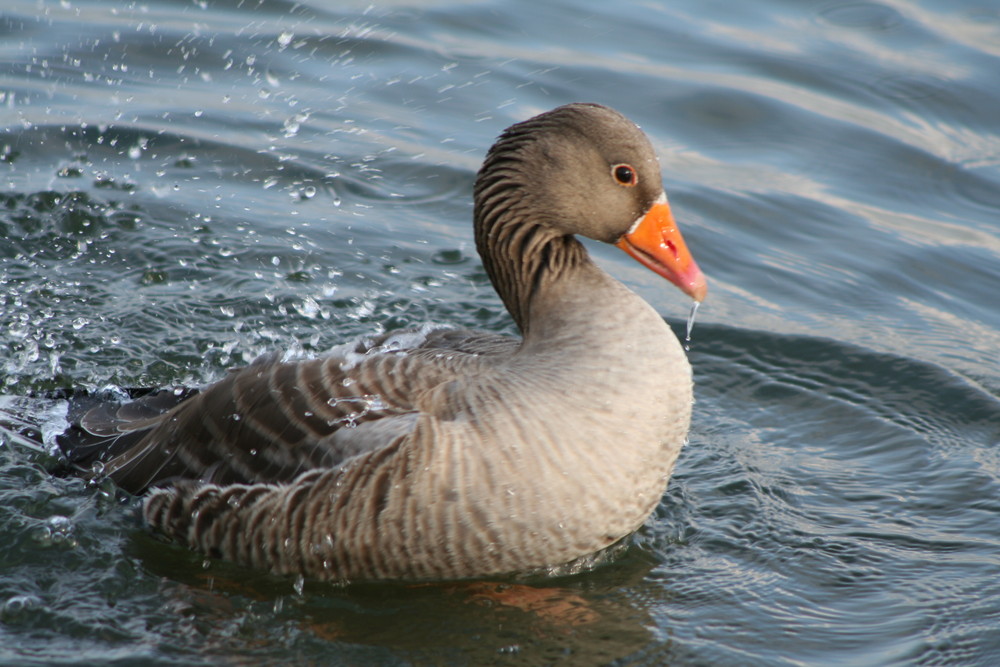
[(187, 184)]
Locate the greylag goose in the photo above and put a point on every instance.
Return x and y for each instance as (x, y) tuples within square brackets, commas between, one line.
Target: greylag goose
[(442, 453)]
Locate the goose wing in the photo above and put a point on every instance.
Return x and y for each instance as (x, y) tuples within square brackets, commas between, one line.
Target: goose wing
[(274, 419)]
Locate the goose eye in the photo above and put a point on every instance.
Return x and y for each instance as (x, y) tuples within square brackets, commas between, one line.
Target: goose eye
[(625, 174)]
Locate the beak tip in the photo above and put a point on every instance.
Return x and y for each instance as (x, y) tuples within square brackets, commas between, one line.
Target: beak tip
[(698, 288)]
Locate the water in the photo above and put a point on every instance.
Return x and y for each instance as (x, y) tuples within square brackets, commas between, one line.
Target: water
[(185, 185)]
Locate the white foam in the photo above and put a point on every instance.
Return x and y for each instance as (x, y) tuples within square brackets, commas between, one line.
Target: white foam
[(48, 416)]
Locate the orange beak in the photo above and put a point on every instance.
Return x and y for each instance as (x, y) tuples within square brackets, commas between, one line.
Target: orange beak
[(656, 243)]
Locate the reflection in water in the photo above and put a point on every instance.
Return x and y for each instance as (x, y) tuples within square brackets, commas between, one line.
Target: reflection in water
[(589, 619)]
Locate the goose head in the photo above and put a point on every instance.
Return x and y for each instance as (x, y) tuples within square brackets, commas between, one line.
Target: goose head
[(582, 169)]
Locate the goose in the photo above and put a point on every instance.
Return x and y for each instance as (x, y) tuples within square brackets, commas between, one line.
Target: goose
[(440, 453)]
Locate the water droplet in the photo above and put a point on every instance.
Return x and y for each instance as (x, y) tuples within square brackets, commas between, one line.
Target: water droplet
[(60, 523), (18, 604), (293, 124), (308, 307), (690, 323), (18, 330)]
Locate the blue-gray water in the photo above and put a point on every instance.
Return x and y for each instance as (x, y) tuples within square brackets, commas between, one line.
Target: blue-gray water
[(187, 184)]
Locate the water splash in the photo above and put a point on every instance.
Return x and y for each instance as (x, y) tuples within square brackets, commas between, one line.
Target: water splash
[(690, 324)]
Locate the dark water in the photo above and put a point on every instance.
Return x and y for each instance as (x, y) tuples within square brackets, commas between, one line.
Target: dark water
[(185, 185)]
